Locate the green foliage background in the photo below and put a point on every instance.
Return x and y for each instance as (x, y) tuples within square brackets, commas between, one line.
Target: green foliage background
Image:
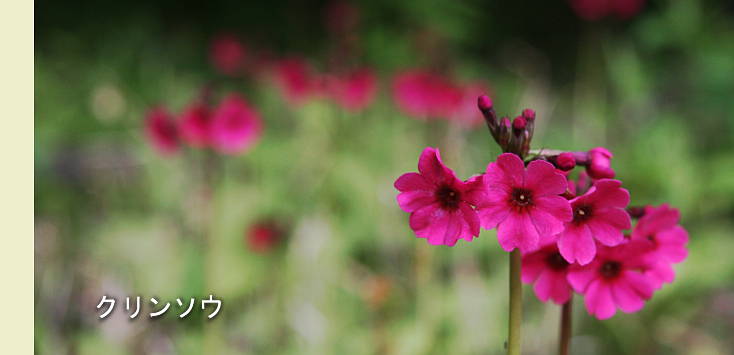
[(113, 217)]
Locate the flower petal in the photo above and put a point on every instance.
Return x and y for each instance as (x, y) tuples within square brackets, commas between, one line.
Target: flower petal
[(410, 201), (557, 206), (471, 219), (508, 171), (607, 224), (492, 214), (609, 193), (552, 285), (432, 168), (543, 179), (626, 297), (532, 265), (576, 244), (599, 300), (412, 182), (672, 244), (580, 277), (517, 231)]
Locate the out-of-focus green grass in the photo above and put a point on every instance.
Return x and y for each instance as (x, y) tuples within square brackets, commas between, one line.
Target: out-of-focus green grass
[(113, 217)]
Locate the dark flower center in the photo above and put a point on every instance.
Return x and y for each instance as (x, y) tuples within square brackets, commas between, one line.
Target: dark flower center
[(582, 213), (448, 197), (610, 269), (521, 198), (556, 262)]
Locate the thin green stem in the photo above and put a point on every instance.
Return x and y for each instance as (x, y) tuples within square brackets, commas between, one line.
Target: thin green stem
[(564, 337), (515, 330)]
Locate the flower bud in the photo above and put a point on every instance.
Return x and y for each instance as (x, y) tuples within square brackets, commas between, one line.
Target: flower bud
[(565, 161), (599, 165), (519, 124), (484, 103), (529, 114)]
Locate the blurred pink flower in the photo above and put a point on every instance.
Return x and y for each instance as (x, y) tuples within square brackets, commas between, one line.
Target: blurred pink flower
[(235, 126), (466, 113), (523, 204), (425, 95), (665, 239), (227, 54), (195, 124), (600, 163), (547, 269), (592, 10), (597, 215), (294, 79), (264, 235), (613, 280), (161, 130), (354, 91), (436, 201)]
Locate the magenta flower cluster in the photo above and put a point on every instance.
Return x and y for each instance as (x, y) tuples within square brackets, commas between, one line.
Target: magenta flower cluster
[(571, 233), (231, 127)]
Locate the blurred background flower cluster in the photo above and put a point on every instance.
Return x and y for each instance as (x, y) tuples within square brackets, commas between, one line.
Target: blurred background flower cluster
[(141, 188)]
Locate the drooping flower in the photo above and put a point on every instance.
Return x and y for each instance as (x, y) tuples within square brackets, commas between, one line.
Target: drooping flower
[(195, 124), (597, 215), (547, 269), (294, 79), (437, 202), (614, 279), (354, 91), (523, 204), (227, 54), (235, 126), (161, 130), (666, 241), (599, 164)]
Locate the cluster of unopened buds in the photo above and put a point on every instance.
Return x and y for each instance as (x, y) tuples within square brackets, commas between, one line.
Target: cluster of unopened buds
[(571, 234)]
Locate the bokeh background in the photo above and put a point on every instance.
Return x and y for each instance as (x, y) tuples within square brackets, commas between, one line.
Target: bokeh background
[(346, 275)]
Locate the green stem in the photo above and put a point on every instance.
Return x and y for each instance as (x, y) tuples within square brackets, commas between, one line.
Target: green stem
[(564, 338), (514, 337)]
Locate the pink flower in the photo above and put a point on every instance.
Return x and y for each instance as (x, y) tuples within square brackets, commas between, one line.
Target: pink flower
[(436, 201), (195, 123), (227, 54), (424, 95), (547, 269), (235, 126), (523, 204), (294, 78), (264, 235), (592, 10), (666, 241), (613, 280), (355, 91), (599, 163), (161, 130), (598, 214)]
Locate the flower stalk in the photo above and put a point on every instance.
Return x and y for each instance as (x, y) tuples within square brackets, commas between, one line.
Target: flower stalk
[(515, 329), (564, 336)]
